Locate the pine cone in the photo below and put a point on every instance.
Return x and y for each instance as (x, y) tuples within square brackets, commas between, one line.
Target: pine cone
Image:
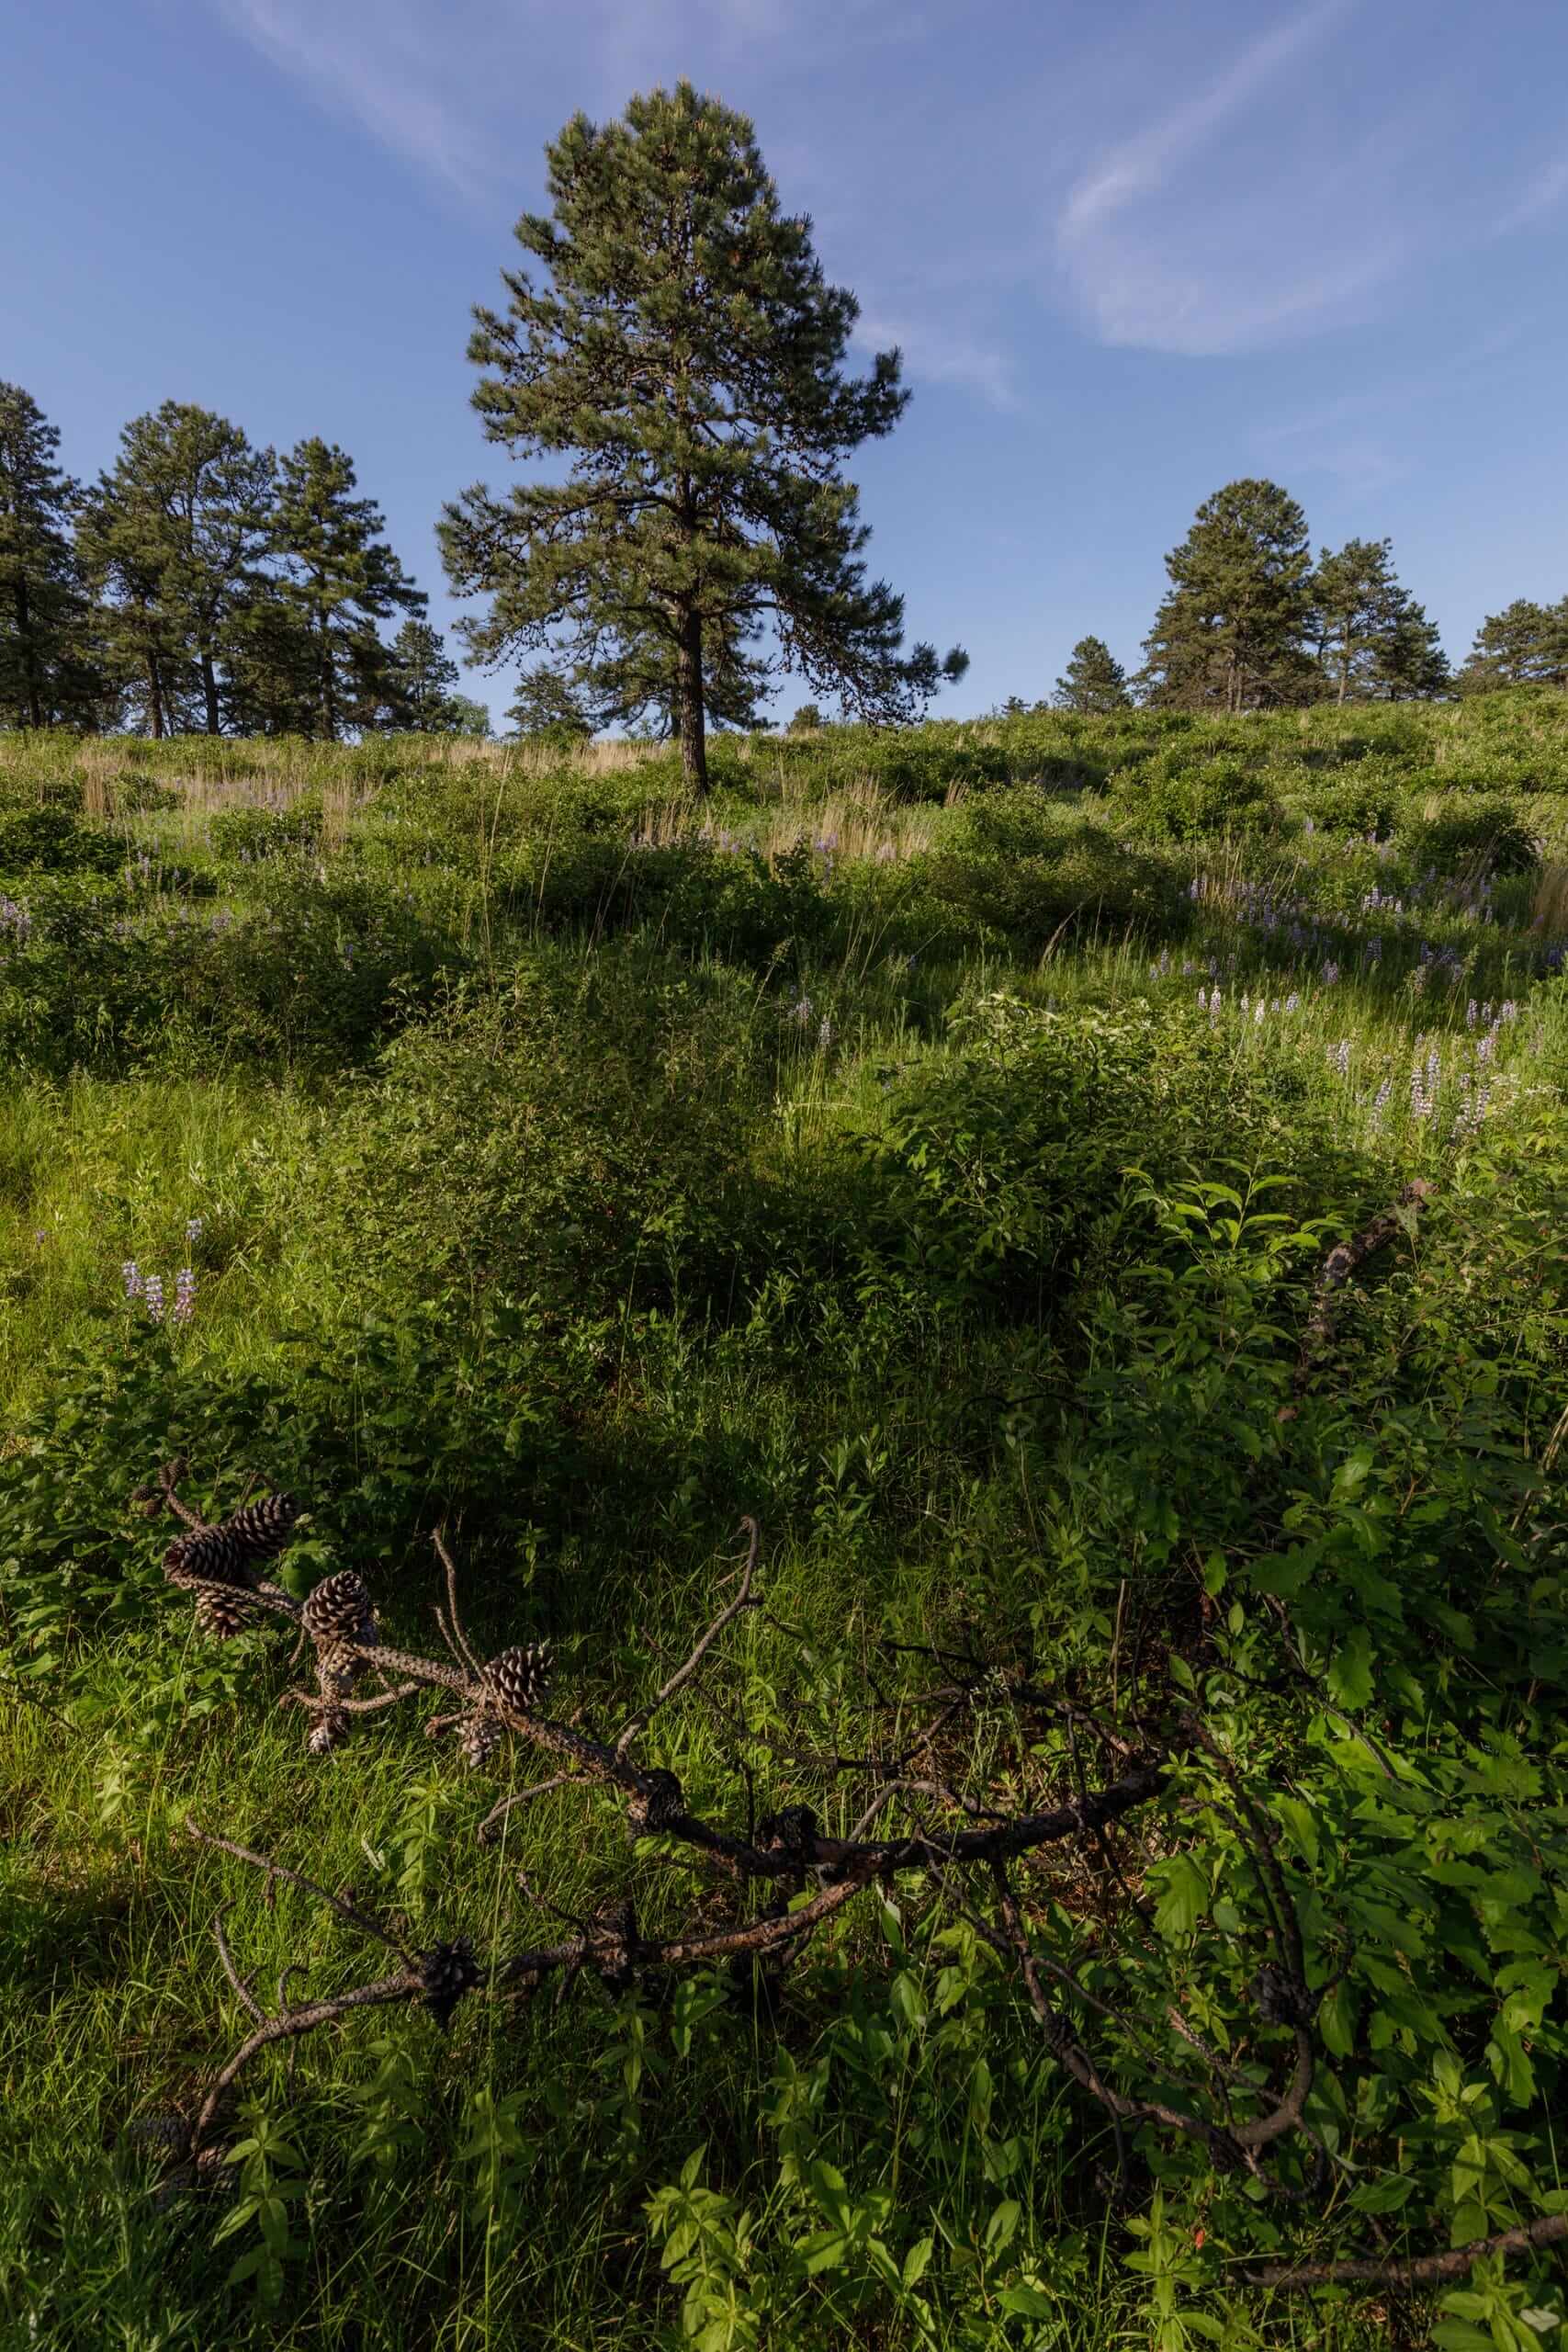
[(221, 1615), (520, 1677), (446, 1974), (658, 1803), (262, 1530), (789, 1831), (477, 1740), (338, 1610), (207, 1554), (1280, 1998), (615, 1938), (329, 1731)]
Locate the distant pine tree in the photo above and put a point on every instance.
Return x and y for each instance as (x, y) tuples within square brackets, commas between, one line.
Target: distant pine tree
[(548, 709), (1093, 681), (1234, 631), (1524, 645), (421, 682), (1373, 639), (689, 355), (49, 676), (337, 577), (176, 531)]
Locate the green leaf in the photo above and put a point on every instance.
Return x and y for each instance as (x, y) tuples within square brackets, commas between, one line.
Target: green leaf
[(1351, 1675), (1027, 2302), (1183, 1896)]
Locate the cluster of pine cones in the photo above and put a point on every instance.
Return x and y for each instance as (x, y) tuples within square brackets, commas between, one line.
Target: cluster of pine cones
[(518, 1679), (337, 1613), (227, 1555)]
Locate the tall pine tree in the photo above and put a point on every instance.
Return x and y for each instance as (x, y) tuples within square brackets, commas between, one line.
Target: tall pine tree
[(175, 531), (337, 577), (687, 351), (46, 673), (1233, 628), (1093, 681), (1374, 640)]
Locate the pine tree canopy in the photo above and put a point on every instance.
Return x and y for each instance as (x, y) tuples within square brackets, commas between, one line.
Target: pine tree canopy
[(683, 345), (338, 577), (174, 535), (1373, 638), (1233, 630), (1524, 645), (1093, 681), (548, 709), (47, 676), (421, 682)]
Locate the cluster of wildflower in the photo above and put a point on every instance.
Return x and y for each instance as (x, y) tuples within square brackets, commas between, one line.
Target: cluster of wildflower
[(1424, 1081), (1339, 1057), (16, 922), (149, 1288)]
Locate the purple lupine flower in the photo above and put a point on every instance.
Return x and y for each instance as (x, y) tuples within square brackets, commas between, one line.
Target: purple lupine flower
[(1339, 1056), (1260, 1008), (1214, 1004), (1508, 1010), (130, 1275), (1380, 1101), (1202, 999), (184, 1294), (1292, 1002), (193, 1228), (825, 1033), (1330, 973), (152, 1297)]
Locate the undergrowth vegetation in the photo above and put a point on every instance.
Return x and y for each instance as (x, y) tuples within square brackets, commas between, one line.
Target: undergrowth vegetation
[(931, 1145)]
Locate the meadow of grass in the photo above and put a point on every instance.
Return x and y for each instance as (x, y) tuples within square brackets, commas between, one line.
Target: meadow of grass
[(928, 1144)]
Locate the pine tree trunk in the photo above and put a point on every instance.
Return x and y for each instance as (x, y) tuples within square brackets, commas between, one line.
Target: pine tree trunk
[(154, 699), (328, 698), (30, 654), (209, 688), (689, 711)]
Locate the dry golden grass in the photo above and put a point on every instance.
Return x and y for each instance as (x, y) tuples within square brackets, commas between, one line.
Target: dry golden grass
[(1549, 902)]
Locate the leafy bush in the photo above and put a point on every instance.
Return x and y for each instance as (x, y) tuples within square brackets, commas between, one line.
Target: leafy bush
[(1017, 869), (1483, 833), (1179, 798), (1370, 803), (252, 833), (51, 841)]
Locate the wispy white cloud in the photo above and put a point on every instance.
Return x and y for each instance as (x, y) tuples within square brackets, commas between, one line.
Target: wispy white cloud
[(944, 352), (382, 64), (1180, 240), (1541, 195)]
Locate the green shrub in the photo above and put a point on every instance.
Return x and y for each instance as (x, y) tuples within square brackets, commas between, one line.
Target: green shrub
[(250, 834), (1018, 869), (1486, 834), (1179, 799), (51, 841)]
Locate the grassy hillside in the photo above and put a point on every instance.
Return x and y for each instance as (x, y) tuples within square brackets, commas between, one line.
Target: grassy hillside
[(931, 1147)]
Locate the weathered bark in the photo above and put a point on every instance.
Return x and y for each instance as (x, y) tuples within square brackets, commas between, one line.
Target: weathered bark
[(210, 689), (30, 654), (690, 719)]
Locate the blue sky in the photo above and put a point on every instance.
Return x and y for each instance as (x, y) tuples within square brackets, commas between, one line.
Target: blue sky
[(1129, 251)]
